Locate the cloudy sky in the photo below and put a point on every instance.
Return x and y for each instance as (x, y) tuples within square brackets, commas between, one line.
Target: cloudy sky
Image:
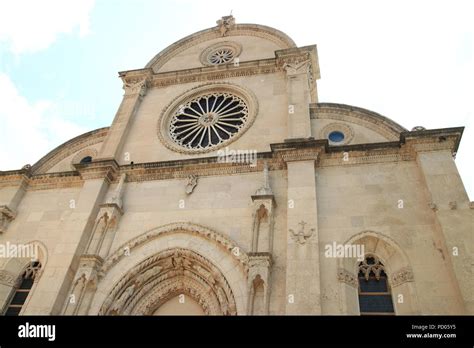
[(410, 61)]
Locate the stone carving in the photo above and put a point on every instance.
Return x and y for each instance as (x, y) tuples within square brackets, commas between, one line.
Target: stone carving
[(7, 278), (297, 67), (402, 276), (120, 302), (170, 273), (347, 277), (302, 236), (453, 205), (6, 216), (471, 205), (418, 128), (135, 87), (191, 183), (181, 227), (433, 206), (225, 24), (376, 268), (151, 273)]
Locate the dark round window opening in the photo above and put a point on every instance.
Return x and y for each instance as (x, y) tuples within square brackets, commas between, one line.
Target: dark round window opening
[(336, 136), (87, 159)]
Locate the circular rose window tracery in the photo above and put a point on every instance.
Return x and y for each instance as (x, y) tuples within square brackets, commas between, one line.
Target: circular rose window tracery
[(221, 56), (208, 120), (207, 117)]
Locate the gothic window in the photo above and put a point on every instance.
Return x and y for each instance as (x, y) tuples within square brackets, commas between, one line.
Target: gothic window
[(87, 159), (21, 293), (208, 120), (375, 297)]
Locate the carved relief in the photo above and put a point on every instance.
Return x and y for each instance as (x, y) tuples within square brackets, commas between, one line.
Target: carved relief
[(172, 272), (182, 227), (191, 183), (401, 276), (297, 67), (347, 277), (6, 216), (83, 287), (302, 236), (8, 278), (135, 87), (225, 24)]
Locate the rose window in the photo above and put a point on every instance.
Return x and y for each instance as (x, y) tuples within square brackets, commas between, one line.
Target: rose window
[(208, 120), (221, 56)]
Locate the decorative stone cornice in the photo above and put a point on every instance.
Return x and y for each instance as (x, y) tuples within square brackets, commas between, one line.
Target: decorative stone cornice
[(104, 169), (15, 178), (433, 139), (320, 151), (299, 149), (203, 74), (260, 259)]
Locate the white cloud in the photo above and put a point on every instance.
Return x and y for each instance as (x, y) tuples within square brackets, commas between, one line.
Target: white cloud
[(29, 130), (29, 26)]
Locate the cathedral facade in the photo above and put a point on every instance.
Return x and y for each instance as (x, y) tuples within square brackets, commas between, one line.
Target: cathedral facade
[(224, 187)]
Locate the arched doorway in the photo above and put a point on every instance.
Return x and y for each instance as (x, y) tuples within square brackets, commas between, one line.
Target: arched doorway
[(174, 281)]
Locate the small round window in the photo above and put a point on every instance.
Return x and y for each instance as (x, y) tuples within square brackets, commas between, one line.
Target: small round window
[(336, 136), (220, 53)]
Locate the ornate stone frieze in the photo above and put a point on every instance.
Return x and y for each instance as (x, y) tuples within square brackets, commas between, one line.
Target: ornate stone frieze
[(346, 277), (401, 276), (170, 273), (181, 227), (6, 278)]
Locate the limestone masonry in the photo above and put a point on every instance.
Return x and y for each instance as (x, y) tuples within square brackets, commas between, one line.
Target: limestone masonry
[(224, 187)]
